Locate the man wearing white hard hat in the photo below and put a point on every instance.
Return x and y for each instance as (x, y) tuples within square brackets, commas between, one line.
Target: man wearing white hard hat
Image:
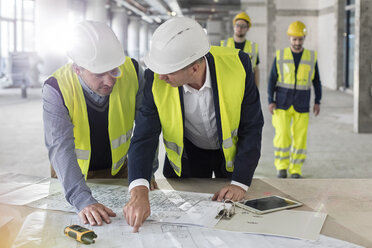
[(89, 109), (205, 102)]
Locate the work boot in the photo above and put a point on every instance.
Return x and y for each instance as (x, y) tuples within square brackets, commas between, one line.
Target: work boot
[(296, 175), (282, 174)]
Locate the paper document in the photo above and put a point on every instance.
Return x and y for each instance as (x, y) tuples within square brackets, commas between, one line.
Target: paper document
[(18, 189), (45, 229), (287, 223), (22, 193), (5, 219), (166, 205)]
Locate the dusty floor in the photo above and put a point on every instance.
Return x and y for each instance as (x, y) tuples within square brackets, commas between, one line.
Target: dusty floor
[(334, 150)]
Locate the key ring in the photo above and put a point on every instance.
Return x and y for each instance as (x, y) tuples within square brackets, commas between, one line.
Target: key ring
[(226, 213)]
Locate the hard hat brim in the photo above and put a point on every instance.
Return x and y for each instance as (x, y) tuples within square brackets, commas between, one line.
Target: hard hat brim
[(158, 68), (108, 66)]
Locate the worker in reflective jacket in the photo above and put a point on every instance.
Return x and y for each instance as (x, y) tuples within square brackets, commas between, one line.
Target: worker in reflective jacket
[(206, 104), (242, 23), (89, 108), (294, 70)]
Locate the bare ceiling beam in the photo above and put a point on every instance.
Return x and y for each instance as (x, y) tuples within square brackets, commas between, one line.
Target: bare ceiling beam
[(157, 5), (137, 5), (144, 16), (226, 7), (175, 7)]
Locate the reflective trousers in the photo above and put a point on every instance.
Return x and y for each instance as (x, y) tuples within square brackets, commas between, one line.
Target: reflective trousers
[(290, 139)]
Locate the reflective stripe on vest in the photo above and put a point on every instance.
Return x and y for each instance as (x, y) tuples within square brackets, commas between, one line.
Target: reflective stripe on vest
[(253, 53), (286, 69), (230, 75), (168, 103), (122, 139), (120, 115)]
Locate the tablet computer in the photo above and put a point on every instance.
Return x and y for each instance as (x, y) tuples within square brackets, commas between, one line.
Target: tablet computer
[(268, 204)]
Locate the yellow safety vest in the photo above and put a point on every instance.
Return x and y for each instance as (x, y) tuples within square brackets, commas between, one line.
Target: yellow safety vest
[(230, 75), (286, 69), (120, 116), (250, 47)]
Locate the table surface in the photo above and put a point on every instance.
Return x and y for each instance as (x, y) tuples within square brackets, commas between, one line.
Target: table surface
[(348, 203)]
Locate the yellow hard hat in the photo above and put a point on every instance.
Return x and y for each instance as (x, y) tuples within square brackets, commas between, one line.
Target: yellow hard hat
[(243, 16), (297, 28)]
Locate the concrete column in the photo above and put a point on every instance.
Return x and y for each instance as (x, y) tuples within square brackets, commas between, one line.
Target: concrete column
[(96, 10), (133, 37), (214, 30), (363, 67), (151, 31), (119, 24), (226, 27), (340, 47), (143, 39), (271, 31), (229, 27)]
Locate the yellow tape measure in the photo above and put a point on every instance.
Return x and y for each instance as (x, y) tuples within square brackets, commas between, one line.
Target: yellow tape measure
[(81, 234)]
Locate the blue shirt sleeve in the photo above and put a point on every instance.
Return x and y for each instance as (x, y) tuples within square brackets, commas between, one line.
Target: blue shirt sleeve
[(272, 83), (250, 129), (317, 85), (141, 85), (145, 138), (59, 140), (139, 100)]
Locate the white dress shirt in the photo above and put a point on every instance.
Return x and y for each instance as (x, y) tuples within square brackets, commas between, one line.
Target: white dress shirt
[(200, 116)]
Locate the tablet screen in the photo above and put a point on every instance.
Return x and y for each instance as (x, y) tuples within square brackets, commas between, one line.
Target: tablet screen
[(268, 203)]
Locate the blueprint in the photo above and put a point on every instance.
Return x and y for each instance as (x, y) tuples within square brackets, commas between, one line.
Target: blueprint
[(45, 229), (167, 207)]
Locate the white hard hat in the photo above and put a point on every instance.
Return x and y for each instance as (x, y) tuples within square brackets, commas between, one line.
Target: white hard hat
[(95, 47), (175, 44)]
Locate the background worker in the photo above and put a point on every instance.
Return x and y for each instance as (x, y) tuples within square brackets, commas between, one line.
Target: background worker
[(211, 118), (289, 87), (88, 110), (242, 23)]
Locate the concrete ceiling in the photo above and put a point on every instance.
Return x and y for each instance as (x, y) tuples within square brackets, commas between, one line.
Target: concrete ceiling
[(201, 10)]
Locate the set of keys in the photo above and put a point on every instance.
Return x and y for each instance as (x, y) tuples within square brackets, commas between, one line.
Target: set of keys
[(226, 213)]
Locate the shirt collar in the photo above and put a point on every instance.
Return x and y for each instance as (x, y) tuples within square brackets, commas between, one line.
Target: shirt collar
[(97, 98), (207, 82)]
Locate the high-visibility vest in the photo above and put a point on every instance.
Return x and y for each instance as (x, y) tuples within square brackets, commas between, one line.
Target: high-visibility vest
[(120, 115), (287, 78), (250, 47), (230, 76)]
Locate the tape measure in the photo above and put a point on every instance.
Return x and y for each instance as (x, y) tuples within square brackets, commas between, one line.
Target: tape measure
[(81, 234)]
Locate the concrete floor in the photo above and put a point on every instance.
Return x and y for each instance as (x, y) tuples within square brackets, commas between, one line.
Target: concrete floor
[(334, 150)]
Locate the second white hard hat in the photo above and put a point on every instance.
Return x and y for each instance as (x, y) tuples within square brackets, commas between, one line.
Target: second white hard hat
[(95, 47), (175, 44)]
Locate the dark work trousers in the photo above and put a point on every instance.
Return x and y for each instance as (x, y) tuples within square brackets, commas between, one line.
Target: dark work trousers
[(197, 162)]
